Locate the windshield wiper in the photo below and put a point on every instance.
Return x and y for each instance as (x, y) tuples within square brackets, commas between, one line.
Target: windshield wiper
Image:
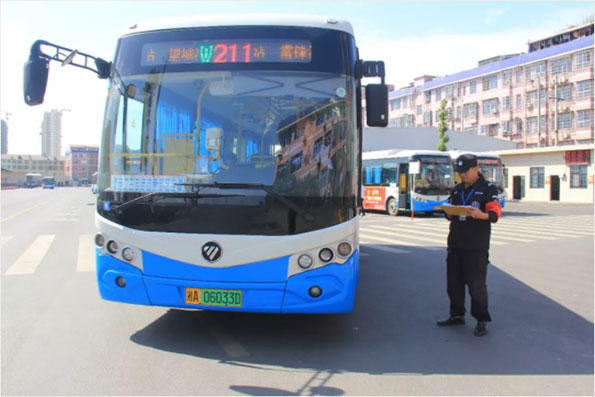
[(154, 196), (242, 185)]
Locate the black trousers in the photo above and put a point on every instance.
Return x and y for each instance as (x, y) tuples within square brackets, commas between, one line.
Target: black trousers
[(467, 267)]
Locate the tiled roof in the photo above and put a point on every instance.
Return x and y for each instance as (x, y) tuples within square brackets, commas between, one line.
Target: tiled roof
[(574, 45)]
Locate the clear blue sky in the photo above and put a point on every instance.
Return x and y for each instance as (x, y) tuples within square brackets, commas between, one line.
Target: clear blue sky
[(413, 38)]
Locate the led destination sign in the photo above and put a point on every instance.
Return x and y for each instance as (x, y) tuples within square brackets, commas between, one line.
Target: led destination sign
[(226, 51)]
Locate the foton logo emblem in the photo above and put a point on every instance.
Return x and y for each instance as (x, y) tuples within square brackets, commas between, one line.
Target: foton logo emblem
[(211, 251)]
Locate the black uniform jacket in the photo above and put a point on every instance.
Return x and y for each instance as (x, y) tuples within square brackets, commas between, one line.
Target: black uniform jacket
[(470, 233)]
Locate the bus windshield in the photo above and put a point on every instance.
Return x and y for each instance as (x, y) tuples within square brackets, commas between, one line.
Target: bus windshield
[(180, 123), (435, 177), (492, 171)]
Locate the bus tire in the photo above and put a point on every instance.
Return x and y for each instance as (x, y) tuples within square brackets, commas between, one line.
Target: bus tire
[(391, 207)]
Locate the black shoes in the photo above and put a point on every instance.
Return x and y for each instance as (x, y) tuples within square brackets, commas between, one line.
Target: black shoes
[(480, 329), (452, 320)]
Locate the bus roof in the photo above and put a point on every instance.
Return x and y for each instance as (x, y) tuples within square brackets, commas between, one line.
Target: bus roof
[(456, 153), (313, 21), (393, 153)]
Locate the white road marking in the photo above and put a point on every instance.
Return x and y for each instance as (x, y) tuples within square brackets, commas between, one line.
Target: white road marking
[(86, 255), (32, 257)]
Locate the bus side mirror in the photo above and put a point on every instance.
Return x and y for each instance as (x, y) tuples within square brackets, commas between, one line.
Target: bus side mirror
[(35, 80), (377, 105)]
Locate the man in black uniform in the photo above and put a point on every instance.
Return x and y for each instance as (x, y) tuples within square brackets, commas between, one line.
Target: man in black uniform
[(469, 243)]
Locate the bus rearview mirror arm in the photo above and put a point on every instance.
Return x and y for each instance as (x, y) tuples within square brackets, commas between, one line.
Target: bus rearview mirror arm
[(36, 68), (376, 94)]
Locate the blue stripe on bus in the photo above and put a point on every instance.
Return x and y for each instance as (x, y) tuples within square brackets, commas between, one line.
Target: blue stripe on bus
[(420, 206), (108, 269), (338, 284)]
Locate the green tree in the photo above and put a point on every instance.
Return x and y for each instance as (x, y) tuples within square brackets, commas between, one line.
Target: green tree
[(442, 127)]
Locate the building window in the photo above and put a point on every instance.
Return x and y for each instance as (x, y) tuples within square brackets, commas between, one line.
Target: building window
[(584, 59), (564, 92), (537, 177), (519, 101), (506, 103), (405, 102), (473, 87), (419, 110), (519, 73), (540, 69), (519, 126), (428, 95), (584, 118), (471, 130), (470, 110), (507, 77), (438, 94), (584, 89), (428, 117), (491, 82), (578, 176), (506, 127), (561, 66), (532, 97), (491, 106), (395, 104), (533, 127), (565, 121), (459, 110), (484, 130), (493, 129)]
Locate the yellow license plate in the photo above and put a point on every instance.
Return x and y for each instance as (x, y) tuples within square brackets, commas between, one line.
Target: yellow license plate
[(214, 297)]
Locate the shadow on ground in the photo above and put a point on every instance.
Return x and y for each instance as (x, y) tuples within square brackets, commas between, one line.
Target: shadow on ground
[(392, 329)]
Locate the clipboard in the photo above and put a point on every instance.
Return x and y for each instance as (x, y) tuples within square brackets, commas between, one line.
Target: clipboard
[(455, 210)]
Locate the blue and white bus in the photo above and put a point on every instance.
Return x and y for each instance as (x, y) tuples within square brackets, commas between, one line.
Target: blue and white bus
[(490, 165), (230, 164), (49, 182), (391, 186)]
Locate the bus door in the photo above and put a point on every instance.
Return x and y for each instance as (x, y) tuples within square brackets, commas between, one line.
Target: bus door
[(404, 186)]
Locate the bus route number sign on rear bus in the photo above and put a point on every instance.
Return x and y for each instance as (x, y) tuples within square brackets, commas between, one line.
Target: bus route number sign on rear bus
[(226, 51)]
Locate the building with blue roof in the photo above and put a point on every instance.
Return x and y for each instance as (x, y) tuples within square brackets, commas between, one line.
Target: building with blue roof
[(539, 99)]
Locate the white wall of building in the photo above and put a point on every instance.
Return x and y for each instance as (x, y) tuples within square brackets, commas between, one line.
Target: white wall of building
[(553, 160)]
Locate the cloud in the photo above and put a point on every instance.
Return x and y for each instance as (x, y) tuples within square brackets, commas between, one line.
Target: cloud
[(492, 14)]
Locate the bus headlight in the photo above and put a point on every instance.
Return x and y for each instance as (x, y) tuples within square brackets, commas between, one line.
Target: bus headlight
[(325, 255), (344, 249), (99, 240), (128, 254), (305, 261), (112, 247)]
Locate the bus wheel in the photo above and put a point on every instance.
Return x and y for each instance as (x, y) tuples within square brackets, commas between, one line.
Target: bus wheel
[(391, 207)]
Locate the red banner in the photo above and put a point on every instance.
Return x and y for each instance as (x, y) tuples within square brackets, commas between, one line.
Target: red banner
[(375, 198), (578, 157)]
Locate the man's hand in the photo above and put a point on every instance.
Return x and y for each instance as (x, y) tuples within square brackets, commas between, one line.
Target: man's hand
[(476, 213)]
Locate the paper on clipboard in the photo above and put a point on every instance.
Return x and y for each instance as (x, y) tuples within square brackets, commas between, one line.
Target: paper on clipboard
[(455, 210)]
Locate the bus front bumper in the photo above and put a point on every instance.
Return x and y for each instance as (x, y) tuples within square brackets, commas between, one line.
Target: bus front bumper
[(118, 281)]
